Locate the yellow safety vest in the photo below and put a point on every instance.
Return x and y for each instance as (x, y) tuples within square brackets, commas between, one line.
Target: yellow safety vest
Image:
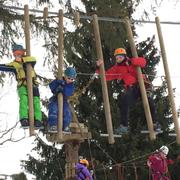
[(21, 75)]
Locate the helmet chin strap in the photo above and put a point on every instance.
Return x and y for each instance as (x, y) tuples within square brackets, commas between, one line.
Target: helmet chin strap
[(18, 59), (125, 62)]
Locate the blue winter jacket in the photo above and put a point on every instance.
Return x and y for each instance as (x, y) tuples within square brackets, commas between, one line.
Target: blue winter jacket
[(60, 86)]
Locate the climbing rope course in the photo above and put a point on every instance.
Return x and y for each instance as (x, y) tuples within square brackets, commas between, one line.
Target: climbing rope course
[(132, 163), (79, 132)]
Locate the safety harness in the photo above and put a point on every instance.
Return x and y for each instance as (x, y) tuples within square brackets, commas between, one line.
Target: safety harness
[(20, 71), (79, 173)]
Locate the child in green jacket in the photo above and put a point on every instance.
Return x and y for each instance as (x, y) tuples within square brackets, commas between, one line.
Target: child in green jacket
[(18, 67)]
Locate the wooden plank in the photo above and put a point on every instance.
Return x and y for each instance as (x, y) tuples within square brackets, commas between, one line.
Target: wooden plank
[(158, 132), (146, 132), (115, 135), (75, 125), (53, 137), (172, 134)]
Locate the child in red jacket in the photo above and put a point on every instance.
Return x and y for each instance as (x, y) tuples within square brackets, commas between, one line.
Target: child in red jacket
[(125, 70), (158, 164)]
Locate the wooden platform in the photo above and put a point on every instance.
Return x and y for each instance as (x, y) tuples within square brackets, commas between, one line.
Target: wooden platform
[(78, 132)]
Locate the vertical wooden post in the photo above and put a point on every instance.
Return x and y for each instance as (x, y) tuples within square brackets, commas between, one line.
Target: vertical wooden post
[(72, 156), (76, 18), (141, 82), (168, 79), (29, 71), (45, 14), (103, 80), (71, 147), (60, 73)]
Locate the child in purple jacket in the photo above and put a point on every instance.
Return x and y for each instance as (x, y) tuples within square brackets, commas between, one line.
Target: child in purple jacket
[(82, 172)]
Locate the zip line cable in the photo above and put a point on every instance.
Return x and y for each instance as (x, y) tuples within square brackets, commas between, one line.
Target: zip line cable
[(67, 15), (91, 74), (124, 164)]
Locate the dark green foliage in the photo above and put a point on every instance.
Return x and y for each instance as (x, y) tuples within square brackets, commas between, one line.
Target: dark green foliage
[(130, 151), (51, 165), (20, 176)]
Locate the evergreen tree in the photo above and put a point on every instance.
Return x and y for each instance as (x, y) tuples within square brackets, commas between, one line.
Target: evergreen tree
[(20, 176), (109, 160)]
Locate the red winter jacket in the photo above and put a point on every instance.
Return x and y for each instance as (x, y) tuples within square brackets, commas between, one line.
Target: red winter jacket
[(159, 166), (125, 71)]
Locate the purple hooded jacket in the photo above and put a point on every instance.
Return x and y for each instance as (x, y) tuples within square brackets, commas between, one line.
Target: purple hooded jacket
[(82, 173)]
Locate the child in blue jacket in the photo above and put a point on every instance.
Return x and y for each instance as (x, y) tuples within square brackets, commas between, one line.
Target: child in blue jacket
[(66, 87)]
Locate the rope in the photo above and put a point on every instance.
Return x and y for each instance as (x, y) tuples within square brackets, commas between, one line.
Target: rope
[(135, 171), (104, 168), (92, 74), (119, 173), (90, 152), (126, 162), (105, 153), (74, 99), (149, 173), (122, 176), (108, 19), (75, 119)]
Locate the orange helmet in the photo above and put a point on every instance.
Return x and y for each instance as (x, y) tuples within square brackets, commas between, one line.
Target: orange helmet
[(119, 51), (84, 161)]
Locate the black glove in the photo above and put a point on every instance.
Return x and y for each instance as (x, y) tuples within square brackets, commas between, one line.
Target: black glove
[(59, 89)]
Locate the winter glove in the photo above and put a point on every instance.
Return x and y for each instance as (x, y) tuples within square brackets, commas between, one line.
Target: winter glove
[(57, 86), (59, 89), (61, 82), (139, 61), (29, 59)]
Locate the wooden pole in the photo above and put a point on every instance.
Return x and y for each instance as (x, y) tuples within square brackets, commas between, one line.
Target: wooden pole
[(45, 14), (141, 82), (168, 79), (72, 156), (103, 81), (29, 71), (71, 147), (60, 73)]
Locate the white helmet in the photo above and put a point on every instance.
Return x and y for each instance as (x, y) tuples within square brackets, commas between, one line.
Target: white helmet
[(164, 149)]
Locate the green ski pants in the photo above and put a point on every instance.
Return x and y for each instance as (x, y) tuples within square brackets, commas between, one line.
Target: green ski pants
[(23, 103)]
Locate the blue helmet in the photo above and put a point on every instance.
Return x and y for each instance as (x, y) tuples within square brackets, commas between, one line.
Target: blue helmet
[(70, 72), (16, 47)]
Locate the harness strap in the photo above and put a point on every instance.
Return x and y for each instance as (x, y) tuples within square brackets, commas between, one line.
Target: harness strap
[(79, 172)]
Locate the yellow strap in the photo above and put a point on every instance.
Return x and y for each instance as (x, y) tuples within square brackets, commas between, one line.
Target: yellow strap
[(29, 59), (20, 70)]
